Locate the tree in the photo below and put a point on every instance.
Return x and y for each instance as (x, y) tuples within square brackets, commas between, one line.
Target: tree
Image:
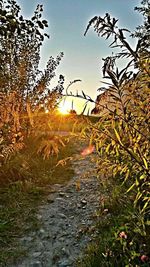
[(143, 31), (24, 89)]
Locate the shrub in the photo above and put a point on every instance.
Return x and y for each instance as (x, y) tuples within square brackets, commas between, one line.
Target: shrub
[(121, 137)]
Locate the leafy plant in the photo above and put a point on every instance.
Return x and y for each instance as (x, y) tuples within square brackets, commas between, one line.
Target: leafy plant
[(121, 135), (24, 89)]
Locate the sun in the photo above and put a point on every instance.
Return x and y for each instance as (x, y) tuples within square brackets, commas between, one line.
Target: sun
[(64, 107), (63, 110)]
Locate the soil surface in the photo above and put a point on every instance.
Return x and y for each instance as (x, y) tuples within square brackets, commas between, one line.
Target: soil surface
[(67, 219)]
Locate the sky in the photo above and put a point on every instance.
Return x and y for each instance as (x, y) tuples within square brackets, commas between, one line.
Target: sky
[(82, 55)]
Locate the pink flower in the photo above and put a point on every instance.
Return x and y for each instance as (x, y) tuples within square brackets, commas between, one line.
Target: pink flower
[(144, 258), (123, 235)]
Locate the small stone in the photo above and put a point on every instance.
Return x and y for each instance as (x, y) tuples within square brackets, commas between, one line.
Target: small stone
[(52, 215), (59, 198), (62, 194), (50, 200), (63, 216), (105, 210), (51, 223), (70, 190), (65, 252), (64, 233), (84, 202), (39, 217), (36, 254), (42, 232)]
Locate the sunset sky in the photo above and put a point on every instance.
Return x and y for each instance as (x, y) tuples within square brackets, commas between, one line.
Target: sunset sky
[(82, 55)]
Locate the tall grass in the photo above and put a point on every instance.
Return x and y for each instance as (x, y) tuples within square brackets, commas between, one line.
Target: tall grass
[(22, 190)]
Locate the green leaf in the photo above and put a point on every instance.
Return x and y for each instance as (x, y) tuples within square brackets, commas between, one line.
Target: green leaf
[(143, 176), (138, 196), (131, 187), (118, 137), (145, 163), (107, 148), (144, 207)]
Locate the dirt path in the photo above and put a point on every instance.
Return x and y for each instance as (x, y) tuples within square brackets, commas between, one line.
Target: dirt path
[(67, 220)]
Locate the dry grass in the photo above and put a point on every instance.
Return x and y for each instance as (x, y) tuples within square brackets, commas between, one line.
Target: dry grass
[(20, 199)]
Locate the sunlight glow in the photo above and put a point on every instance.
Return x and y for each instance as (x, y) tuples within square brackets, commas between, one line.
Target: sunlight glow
[(72, 103), (64, 107)]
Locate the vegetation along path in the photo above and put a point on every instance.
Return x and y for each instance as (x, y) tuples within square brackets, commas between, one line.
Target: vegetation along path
[(67, 220)]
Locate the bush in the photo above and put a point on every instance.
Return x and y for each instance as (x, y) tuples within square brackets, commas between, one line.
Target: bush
[(121, 137)]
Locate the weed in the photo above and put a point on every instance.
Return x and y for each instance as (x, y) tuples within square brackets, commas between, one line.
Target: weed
[(20, 197)]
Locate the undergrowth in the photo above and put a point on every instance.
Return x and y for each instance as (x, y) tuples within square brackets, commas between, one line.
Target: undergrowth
[(121, 240), (21, 192)]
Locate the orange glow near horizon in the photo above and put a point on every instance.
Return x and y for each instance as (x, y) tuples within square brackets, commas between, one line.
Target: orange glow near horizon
[(64, 107), (76, 104)]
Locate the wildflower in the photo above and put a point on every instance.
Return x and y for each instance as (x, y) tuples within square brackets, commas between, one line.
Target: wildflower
[(144, 258), (123, 235)]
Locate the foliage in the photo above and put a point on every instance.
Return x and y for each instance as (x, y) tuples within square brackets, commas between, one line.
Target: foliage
[(143, 31), (117, 244), (24, 89), (121, 136), (22, 190)]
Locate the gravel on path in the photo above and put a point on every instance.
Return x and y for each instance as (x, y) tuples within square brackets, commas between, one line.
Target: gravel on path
[(67, 218)]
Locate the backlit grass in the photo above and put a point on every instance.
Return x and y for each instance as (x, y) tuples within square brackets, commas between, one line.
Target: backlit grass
[(21, 195)]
